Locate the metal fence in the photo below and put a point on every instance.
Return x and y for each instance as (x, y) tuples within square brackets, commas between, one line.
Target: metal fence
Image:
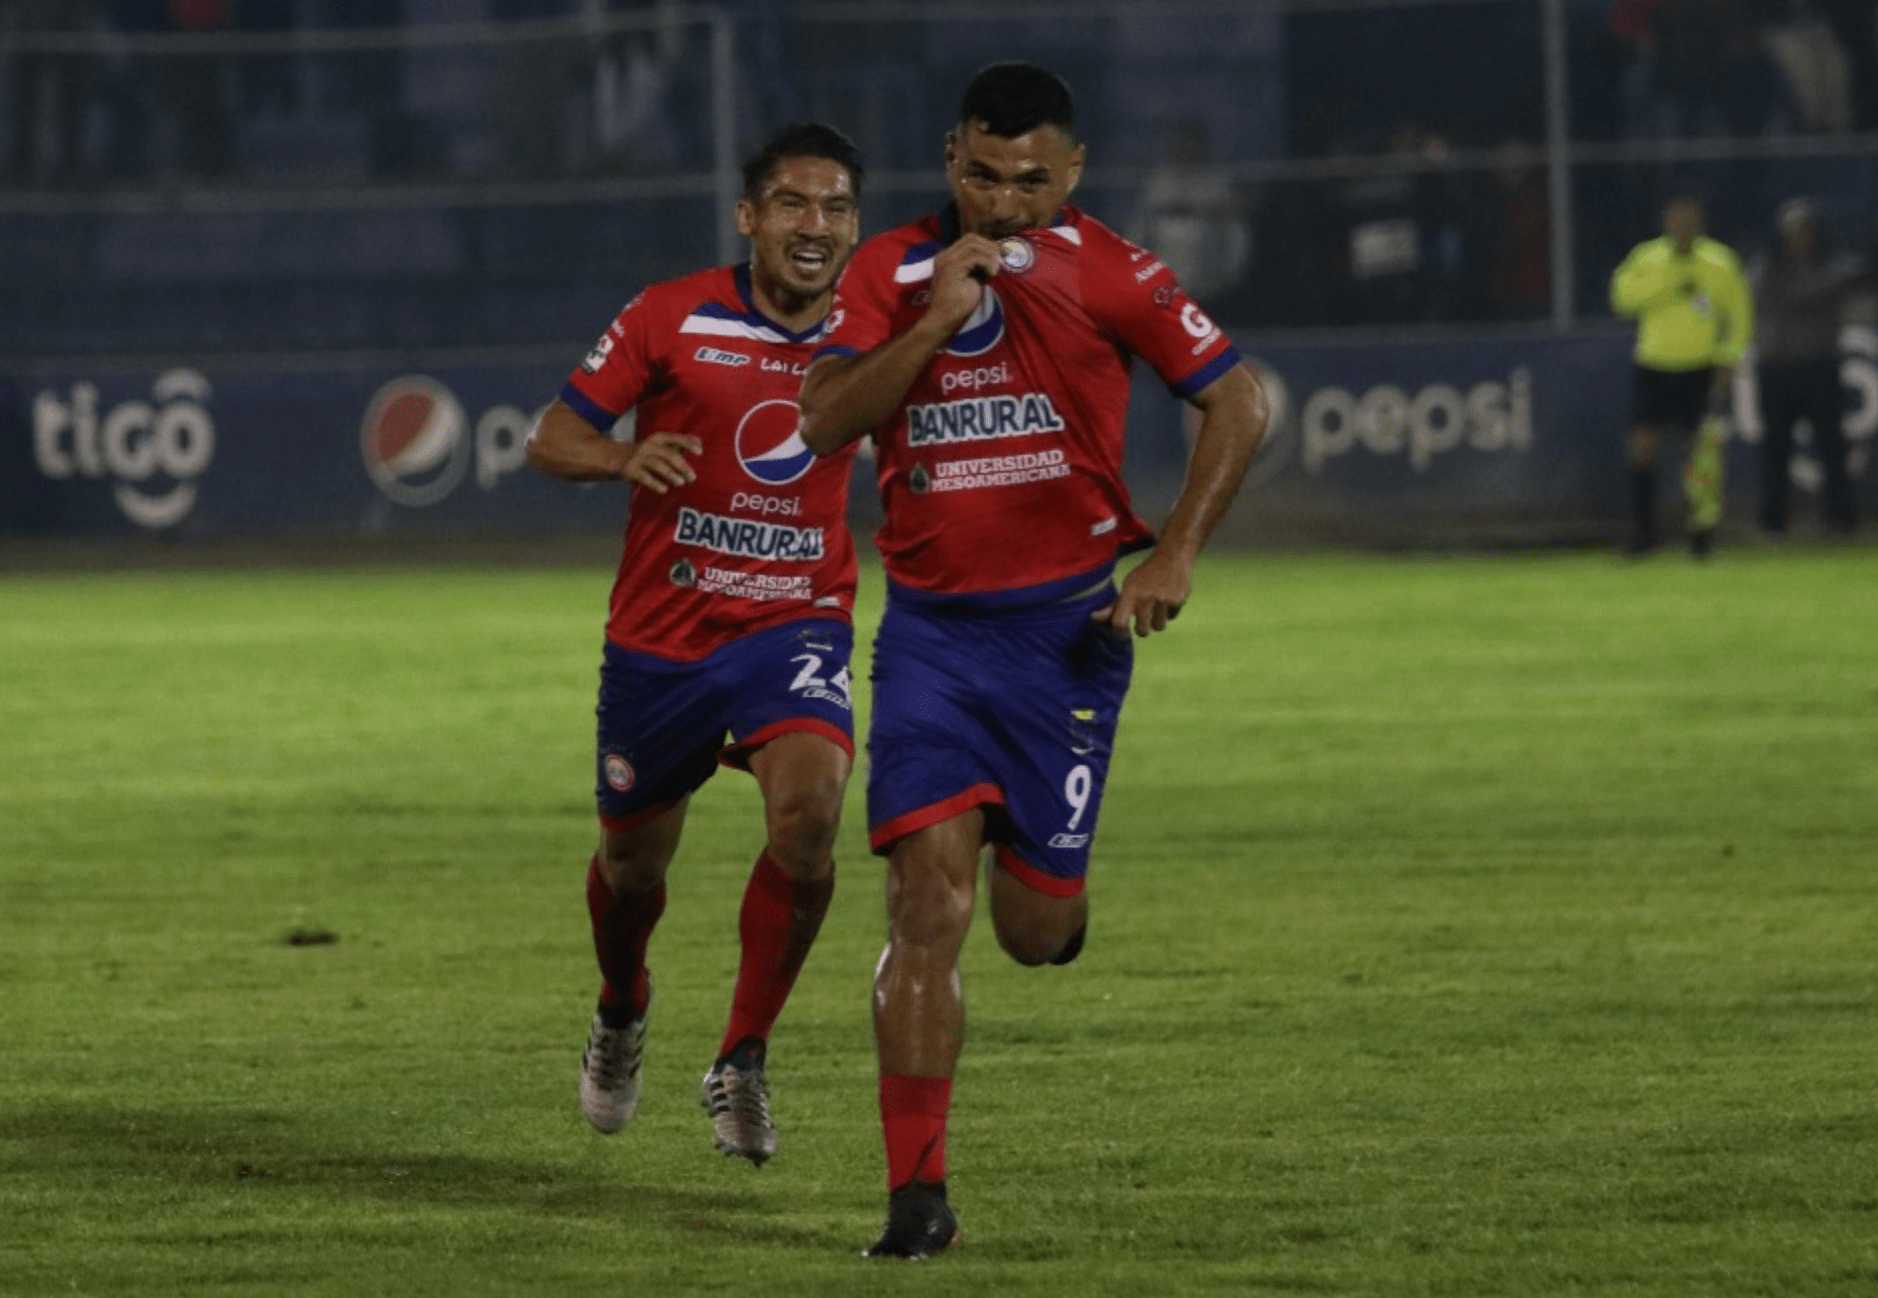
[(333, 176)]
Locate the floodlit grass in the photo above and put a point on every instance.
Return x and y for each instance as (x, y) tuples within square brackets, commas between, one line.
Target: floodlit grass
[(1488, 926)]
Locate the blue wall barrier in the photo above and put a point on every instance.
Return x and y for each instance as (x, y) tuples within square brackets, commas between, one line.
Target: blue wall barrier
[(1493, 437)]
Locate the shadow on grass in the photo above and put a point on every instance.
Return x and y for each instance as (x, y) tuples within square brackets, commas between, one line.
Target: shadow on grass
[(77, 1151)]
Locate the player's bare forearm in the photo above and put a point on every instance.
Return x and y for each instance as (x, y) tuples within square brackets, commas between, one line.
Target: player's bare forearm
[(563, 445), (1234, 416), (844, 398)]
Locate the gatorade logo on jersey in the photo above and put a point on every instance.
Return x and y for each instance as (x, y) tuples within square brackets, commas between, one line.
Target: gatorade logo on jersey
[(770, 445), (983, 330), (415, 440)]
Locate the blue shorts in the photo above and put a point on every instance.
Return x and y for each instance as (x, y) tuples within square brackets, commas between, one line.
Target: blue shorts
[(663, 725), (1013, 711)]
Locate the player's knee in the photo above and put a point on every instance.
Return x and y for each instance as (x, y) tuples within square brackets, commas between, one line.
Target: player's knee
[(928, 908), (802, 826), (629, 870)]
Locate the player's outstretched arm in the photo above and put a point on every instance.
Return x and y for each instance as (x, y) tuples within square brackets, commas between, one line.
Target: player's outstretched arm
[(563, 445), (844, 398), (1233, 418)]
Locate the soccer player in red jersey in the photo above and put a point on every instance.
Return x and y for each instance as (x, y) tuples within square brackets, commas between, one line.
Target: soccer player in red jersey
[(987, 349), (730, 628)]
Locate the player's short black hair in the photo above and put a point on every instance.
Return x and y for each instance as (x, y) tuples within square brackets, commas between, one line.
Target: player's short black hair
[(801, 140), (1013, 99)]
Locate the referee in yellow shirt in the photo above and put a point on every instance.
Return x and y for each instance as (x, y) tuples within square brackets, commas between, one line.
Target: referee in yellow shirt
[(1694, 319)]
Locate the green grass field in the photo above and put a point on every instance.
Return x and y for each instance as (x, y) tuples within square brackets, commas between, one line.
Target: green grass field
[(1485, 926)]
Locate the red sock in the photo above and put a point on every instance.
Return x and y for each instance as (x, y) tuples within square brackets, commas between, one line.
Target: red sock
[(913, 1118), (777, 925), (622, 923)]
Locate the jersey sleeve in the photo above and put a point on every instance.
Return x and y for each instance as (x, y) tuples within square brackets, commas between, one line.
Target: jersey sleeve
[(861, 316), (1137, 296), (619, 370)]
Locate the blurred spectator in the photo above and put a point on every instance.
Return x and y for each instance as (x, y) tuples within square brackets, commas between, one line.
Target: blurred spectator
[(1406, 246), (535, 81), (1856, 23), (1696, 67), (1801, 290), (269, 82), (1195, 219), (194, 88), (1815, 66), (634, 72), (1520, 240), (49, 89)]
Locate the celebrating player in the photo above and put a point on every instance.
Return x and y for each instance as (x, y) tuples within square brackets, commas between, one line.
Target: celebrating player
[(987, 349), (730, 616)]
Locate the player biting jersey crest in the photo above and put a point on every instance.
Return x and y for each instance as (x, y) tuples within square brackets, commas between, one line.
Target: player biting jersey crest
[(758, 537), (1024, 413)]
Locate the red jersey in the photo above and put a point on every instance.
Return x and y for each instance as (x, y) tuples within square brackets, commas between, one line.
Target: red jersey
[(1001, 473), (761, 536)]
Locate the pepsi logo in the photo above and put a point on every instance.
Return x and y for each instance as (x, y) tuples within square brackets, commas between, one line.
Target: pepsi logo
[(983, 331), (770, 445), (415, 440)]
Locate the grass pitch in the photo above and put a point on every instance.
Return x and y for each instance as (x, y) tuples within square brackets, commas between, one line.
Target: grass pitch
[(1491, 926)]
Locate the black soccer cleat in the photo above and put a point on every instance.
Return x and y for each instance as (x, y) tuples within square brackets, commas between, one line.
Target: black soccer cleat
[(918, 1222)]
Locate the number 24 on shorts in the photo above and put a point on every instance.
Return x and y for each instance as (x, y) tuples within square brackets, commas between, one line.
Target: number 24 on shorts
[(810, 681)]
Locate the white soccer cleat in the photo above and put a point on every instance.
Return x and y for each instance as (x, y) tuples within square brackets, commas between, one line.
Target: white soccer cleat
[(738, 1102), (609, 1073)]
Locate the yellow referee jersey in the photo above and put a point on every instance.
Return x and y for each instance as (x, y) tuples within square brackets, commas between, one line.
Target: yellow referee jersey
[(1693, 309)]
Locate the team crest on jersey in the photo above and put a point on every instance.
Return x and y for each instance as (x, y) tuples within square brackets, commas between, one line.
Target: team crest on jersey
[(1016, 255), (919, 482), (620, 776), (683, 574), (983, 331), (770, 445)]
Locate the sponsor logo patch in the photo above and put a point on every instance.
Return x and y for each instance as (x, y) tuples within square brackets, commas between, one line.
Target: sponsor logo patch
[(415, 440), (979, 419), (983, 330), (747, 539), (770, 445)]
